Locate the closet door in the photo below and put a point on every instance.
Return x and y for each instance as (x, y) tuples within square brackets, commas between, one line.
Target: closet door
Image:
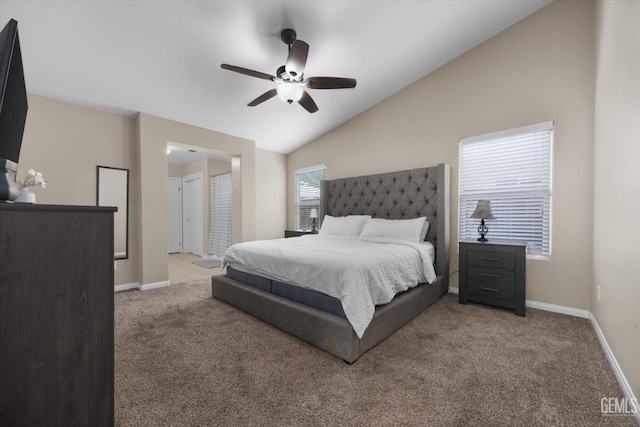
[(220, 233), (174, 215), (192, 214)]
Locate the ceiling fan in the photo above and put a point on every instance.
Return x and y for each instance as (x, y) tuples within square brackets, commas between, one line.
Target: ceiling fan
[(290, 77)]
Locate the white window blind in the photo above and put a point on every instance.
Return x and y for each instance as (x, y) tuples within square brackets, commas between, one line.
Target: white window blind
[(220, 231), (308, 194), (511, 169)]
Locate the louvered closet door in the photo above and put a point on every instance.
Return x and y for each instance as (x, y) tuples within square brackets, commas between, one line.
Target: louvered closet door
[(221, 215)]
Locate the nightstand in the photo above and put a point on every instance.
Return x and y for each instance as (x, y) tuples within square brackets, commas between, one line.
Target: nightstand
[(297, 233), (493, 273)]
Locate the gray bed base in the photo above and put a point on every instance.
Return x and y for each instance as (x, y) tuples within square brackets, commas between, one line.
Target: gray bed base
[(394, 195), (327, 331)]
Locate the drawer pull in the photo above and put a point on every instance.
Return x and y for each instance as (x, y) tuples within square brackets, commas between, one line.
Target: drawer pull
[(493, 276), (488, 289), (489, 259)]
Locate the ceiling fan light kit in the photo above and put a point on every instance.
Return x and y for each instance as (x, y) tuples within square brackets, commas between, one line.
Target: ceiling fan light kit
[(290, 92), (290, 77)]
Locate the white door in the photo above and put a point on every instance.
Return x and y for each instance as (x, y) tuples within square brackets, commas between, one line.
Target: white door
[(174, 215), (192, 214)]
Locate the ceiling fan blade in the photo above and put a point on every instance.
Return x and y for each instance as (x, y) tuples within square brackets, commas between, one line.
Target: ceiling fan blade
[(308, 103), (297, 59), (248, 72), (330, 83), (259, 100)]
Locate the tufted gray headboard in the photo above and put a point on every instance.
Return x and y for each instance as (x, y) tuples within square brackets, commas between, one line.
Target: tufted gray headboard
[(396, 195)]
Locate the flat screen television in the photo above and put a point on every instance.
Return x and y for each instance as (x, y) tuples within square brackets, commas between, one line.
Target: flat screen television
[(13, 109)]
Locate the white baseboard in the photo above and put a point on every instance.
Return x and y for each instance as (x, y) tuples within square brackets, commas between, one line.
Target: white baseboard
[(622, 380), (155, 285), (576, 312), (138, 286), (127, 286)]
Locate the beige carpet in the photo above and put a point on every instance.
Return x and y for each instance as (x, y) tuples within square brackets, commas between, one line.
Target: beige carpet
[(185, 359)]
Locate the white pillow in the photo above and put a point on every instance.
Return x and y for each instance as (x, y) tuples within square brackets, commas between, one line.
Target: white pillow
[(405, 229), (359, 216), (425, 230), (343, 225)]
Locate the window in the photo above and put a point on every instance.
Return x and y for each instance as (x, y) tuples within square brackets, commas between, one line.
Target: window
[(511, 169), (308, 194)]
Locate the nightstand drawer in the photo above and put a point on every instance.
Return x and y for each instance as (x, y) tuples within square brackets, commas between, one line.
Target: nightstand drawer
[(491, 275), (492, 259), (506, 291)]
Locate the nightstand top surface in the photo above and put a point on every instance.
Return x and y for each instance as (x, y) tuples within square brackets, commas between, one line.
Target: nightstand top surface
[(496, 242)]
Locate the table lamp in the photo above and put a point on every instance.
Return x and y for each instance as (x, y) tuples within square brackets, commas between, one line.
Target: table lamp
[(482, 212), (313, 215)]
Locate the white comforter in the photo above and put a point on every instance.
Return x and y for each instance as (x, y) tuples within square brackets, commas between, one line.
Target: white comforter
[(360, 272)]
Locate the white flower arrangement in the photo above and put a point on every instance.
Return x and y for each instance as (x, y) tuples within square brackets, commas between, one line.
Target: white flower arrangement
[(33, 179)]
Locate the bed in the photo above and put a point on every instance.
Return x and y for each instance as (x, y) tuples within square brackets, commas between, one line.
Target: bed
[(396, 195)]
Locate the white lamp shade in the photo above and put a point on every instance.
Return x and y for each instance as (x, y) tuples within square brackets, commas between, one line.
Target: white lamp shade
[(483, 210), (290, 92), (313, 213)]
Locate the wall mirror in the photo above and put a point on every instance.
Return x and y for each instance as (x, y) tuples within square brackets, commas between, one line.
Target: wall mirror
[(113, 190)]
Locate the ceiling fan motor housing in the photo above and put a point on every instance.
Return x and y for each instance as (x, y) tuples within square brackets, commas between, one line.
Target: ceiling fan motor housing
[(288, 36)]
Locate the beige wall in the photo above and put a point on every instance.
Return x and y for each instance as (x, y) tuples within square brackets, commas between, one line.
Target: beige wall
[(66, 142), (174, 171), (271, 194), (153, 135), (540, 69), (617, 183)]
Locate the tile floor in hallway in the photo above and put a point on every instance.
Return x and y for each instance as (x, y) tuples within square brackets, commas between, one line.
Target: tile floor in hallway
[(182, 269)]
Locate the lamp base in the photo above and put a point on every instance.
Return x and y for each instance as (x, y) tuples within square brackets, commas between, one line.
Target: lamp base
[(483, 229), (314, 224)]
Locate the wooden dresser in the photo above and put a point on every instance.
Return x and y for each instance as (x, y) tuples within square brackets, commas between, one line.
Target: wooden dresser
[(56, 315), (493, 273), (297, 233)]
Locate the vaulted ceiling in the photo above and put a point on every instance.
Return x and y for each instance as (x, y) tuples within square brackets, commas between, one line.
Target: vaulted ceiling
[(163, 57)]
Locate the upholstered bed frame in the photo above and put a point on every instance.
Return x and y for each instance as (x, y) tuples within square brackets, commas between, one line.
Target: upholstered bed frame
[(394, 195)]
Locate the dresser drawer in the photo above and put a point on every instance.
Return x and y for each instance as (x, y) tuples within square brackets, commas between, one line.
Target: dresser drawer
[(491, 282), (491, 259), (506, 291), (491, 275)]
